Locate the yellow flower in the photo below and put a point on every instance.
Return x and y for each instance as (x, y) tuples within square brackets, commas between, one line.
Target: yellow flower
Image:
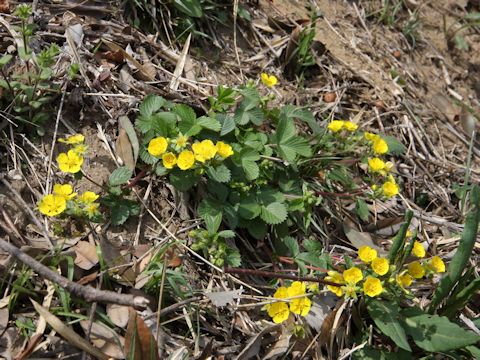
[(313, 288), (352, 275), (52, 205), (300, 306), (376, 164), (390, 189), (350, 126), (73, 139), (372, 287), (169, 160), (416, 270), (70, 162), (367, 254), (409, 234), (224, 150), (204, 150), (388, 166), (418, 250), (370, 136), (404, 280), (437, 264), (88, 197), (181, 141), (80, 149), (92, 209), (185, 160), (336, 125), (380, 266), (65, 190), (269, 80), (335, 277), (379, 146), (279, 311), (157, 146)]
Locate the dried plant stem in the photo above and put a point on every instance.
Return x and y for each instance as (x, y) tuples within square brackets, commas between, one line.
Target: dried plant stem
[(87, 293)]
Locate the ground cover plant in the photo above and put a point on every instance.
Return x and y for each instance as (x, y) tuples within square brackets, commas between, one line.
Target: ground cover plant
[(306, 192)]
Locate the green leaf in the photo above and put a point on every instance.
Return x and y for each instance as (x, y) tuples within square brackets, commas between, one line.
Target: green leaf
[(463, 253), (395, 147), (220, 174), (399, 239), (5, 59), (191, 8), (233, 258), (288, 143), (249, 208), (458, 300), (146, 157), (436, 333), (211, 214), (120, 176), (226, 234), (151, 104), (474, 351), (183, 180), (119, 213), (274, 213), (385, 315), (314, 259), (188, 124), (228, 125), (251, 169), (257, 228), (362, 209), (161, 123), (209, 123), (244, 115), (292, 245), (305, 115), (312, 245)]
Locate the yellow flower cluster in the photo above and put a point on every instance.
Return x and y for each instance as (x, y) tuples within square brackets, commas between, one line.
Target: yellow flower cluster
[(376, 165), (336, 126), (375, 269), (296, 302), (269, 80), (63, 198), (174, 152), (72, 160)]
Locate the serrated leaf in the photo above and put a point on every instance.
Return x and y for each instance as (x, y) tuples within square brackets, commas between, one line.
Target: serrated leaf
[(385, 315), (188, 124), (292, 245), (314, 259), (304, 115), (151, 104), (119, 213), (289, 149), (395, 147), (436, 333), (146, 157), (183, 180), (249, 208), (233, 258), (257, 228), (211, 214), (274, 213), (5, 59), (251, 169), (362, 209), (312, 245), (209, 123), (220, 174), (120, 176), (228, 125)]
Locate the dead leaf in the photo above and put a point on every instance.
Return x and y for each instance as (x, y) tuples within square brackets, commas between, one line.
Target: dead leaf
[(67, 332), (118, 314), (326, 328), (114, 56), (281, 345), (223, 298), (113, 258), (322, 305), (359, 239), (143, 73), (123, 149), (252, 348), (147, 63), (126, 125), (139, 341), (86, 255), (4, 7), (177, 73), (88, 278), (31, 345), (173, 259), (3, 320), (105, 339)]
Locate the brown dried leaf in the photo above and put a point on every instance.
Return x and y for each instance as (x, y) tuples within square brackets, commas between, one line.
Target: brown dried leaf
[(105, 339), (3, 319), (4, 7), (31, 345), (87, 256), (359, 239), (114, 56), (88, 278), (118, 314), (123, 149), (327, 325), (139, 341)]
